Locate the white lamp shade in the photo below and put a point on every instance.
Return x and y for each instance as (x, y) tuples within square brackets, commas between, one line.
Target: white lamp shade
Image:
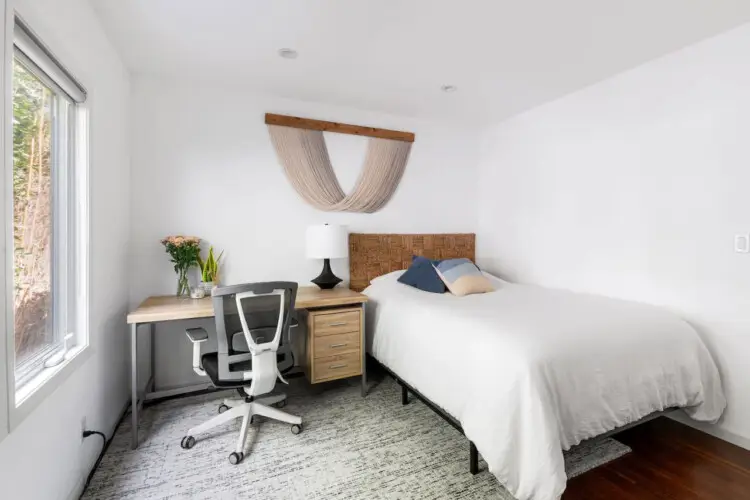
[(327, 242)]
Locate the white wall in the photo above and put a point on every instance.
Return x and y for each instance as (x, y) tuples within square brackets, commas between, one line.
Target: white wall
[(209, 144), (44, 457), (635, 188)]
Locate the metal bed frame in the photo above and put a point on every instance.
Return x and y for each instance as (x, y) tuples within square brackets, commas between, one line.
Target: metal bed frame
[(473, 453), (406, 389)]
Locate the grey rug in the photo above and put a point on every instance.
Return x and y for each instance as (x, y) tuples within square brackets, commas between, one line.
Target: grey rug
[(351, 448)]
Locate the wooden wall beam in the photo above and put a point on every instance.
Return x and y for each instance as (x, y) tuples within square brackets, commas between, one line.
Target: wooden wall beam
[(341, 128)]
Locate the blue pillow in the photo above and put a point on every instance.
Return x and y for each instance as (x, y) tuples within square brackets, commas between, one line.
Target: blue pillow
[(422, 275)]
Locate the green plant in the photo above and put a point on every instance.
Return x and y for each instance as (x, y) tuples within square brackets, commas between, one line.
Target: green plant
[(210, 266)]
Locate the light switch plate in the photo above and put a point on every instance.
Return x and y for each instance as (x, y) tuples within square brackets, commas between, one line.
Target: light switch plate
[(742, 243)]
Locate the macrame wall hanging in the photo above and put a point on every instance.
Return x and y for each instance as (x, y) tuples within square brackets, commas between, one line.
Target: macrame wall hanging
[(302, 151)]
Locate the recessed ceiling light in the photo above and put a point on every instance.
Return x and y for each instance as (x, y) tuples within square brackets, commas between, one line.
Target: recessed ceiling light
[(448, 88), (288, 53)]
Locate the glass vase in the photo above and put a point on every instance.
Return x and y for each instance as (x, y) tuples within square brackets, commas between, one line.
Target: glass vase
[(183, 286)]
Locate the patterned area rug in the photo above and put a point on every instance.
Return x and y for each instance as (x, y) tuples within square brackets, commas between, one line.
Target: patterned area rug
[(351, 448)]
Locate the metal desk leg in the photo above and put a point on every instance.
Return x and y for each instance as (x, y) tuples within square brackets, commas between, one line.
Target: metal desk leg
[(152, 384), (134, 385), (473, 458), (364, 355)]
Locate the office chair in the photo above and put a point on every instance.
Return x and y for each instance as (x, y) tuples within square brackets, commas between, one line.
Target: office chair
[(254, 317)]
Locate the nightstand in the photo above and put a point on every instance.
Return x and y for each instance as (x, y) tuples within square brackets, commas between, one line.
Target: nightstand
[(334, 343)]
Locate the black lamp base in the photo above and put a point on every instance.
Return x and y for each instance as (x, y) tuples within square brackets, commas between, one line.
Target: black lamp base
[(327, 280)]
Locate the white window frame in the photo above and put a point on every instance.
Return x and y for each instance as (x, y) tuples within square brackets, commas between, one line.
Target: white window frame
[(20, 403)]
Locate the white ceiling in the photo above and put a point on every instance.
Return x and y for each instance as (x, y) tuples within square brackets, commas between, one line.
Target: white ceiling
[(505, 56)]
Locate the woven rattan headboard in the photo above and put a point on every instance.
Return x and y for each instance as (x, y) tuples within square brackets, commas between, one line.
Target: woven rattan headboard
[(372, 255)]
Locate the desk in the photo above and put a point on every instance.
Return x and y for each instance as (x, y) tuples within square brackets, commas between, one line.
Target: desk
[(170, 308)]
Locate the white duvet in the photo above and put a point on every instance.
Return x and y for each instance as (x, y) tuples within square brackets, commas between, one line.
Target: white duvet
[(530, 371)]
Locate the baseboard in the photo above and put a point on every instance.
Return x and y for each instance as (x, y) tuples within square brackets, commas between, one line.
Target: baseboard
[(713, 430), (78, 489)]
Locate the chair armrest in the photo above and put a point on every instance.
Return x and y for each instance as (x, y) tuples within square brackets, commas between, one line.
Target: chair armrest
[(197, 335)]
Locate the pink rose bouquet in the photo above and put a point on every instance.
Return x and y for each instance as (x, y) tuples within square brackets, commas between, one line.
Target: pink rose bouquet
[(185, 253)]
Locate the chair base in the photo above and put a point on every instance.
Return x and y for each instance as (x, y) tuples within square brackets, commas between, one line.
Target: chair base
[(238, 408)]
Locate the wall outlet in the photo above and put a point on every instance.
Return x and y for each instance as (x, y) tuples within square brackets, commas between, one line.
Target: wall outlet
[(742, 243)]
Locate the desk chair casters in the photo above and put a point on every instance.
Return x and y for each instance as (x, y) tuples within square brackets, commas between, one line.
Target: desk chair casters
[(245, 309), (231, 409)]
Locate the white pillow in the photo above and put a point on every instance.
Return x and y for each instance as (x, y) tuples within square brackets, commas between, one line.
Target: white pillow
[(392, 276), (395, 275)]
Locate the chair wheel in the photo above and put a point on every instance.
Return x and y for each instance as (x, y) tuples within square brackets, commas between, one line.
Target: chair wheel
[(236, 458), (223, 408), (296, 429), (187, 442)]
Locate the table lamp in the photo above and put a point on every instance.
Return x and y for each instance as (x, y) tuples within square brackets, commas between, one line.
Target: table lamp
[(327, 241)]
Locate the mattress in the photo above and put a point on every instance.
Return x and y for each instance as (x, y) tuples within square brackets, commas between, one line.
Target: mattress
[(530, 372)]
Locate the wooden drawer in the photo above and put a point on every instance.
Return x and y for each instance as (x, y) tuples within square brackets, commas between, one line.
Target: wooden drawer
[(338, 322), (339, 343), (338, 366)]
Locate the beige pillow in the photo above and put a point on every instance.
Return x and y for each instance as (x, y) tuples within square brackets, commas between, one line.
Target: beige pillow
[(463, 277)]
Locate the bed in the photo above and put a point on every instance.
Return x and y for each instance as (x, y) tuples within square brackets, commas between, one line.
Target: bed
[(527, 372)]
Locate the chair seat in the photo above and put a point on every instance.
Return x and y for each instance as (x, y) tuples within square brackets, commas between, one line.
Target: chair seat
[(210, 363)]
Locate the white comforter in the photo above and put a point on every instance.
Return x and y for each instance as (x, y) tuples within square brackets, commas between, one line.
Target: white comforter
[(530, 371)]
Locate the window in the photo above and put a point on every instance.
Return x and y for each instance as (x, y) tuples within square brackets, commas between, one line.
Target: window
[(49, 214)]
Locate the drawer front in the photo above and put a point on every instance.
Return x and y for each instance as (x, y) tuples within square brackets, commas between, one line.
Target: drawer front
[(339, 343), (342, 322), (339, 366)]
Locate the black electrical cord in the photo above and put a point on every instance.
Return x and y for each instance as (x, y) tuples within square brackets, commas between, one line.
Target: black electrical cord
[(101, 454)]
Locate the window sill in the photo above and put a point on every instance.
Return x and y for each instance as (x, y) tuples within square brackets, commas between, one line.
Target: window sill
[(37, 389)]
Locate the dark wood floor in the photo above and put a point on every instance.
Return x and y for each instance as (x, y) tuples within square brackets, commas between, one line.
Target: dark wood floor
[(669, 461)]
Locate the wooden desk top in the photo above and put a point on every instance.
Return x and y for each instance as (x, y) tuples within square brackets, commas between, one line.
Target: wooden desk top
[(170, 308)]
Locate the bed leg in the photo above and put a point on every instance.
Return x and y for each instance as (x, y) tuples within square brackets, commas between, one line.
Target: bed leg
[(473, 458), (404, 395)]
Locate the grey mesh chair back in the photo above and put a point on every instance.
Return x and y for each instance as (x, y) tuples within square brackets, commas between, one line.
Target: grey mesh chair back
[(266, 309)]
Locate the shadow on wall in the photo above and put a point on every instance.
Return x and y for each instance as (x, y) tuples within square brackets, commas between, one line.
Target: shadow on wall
[(494, 267), (112, 340)]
